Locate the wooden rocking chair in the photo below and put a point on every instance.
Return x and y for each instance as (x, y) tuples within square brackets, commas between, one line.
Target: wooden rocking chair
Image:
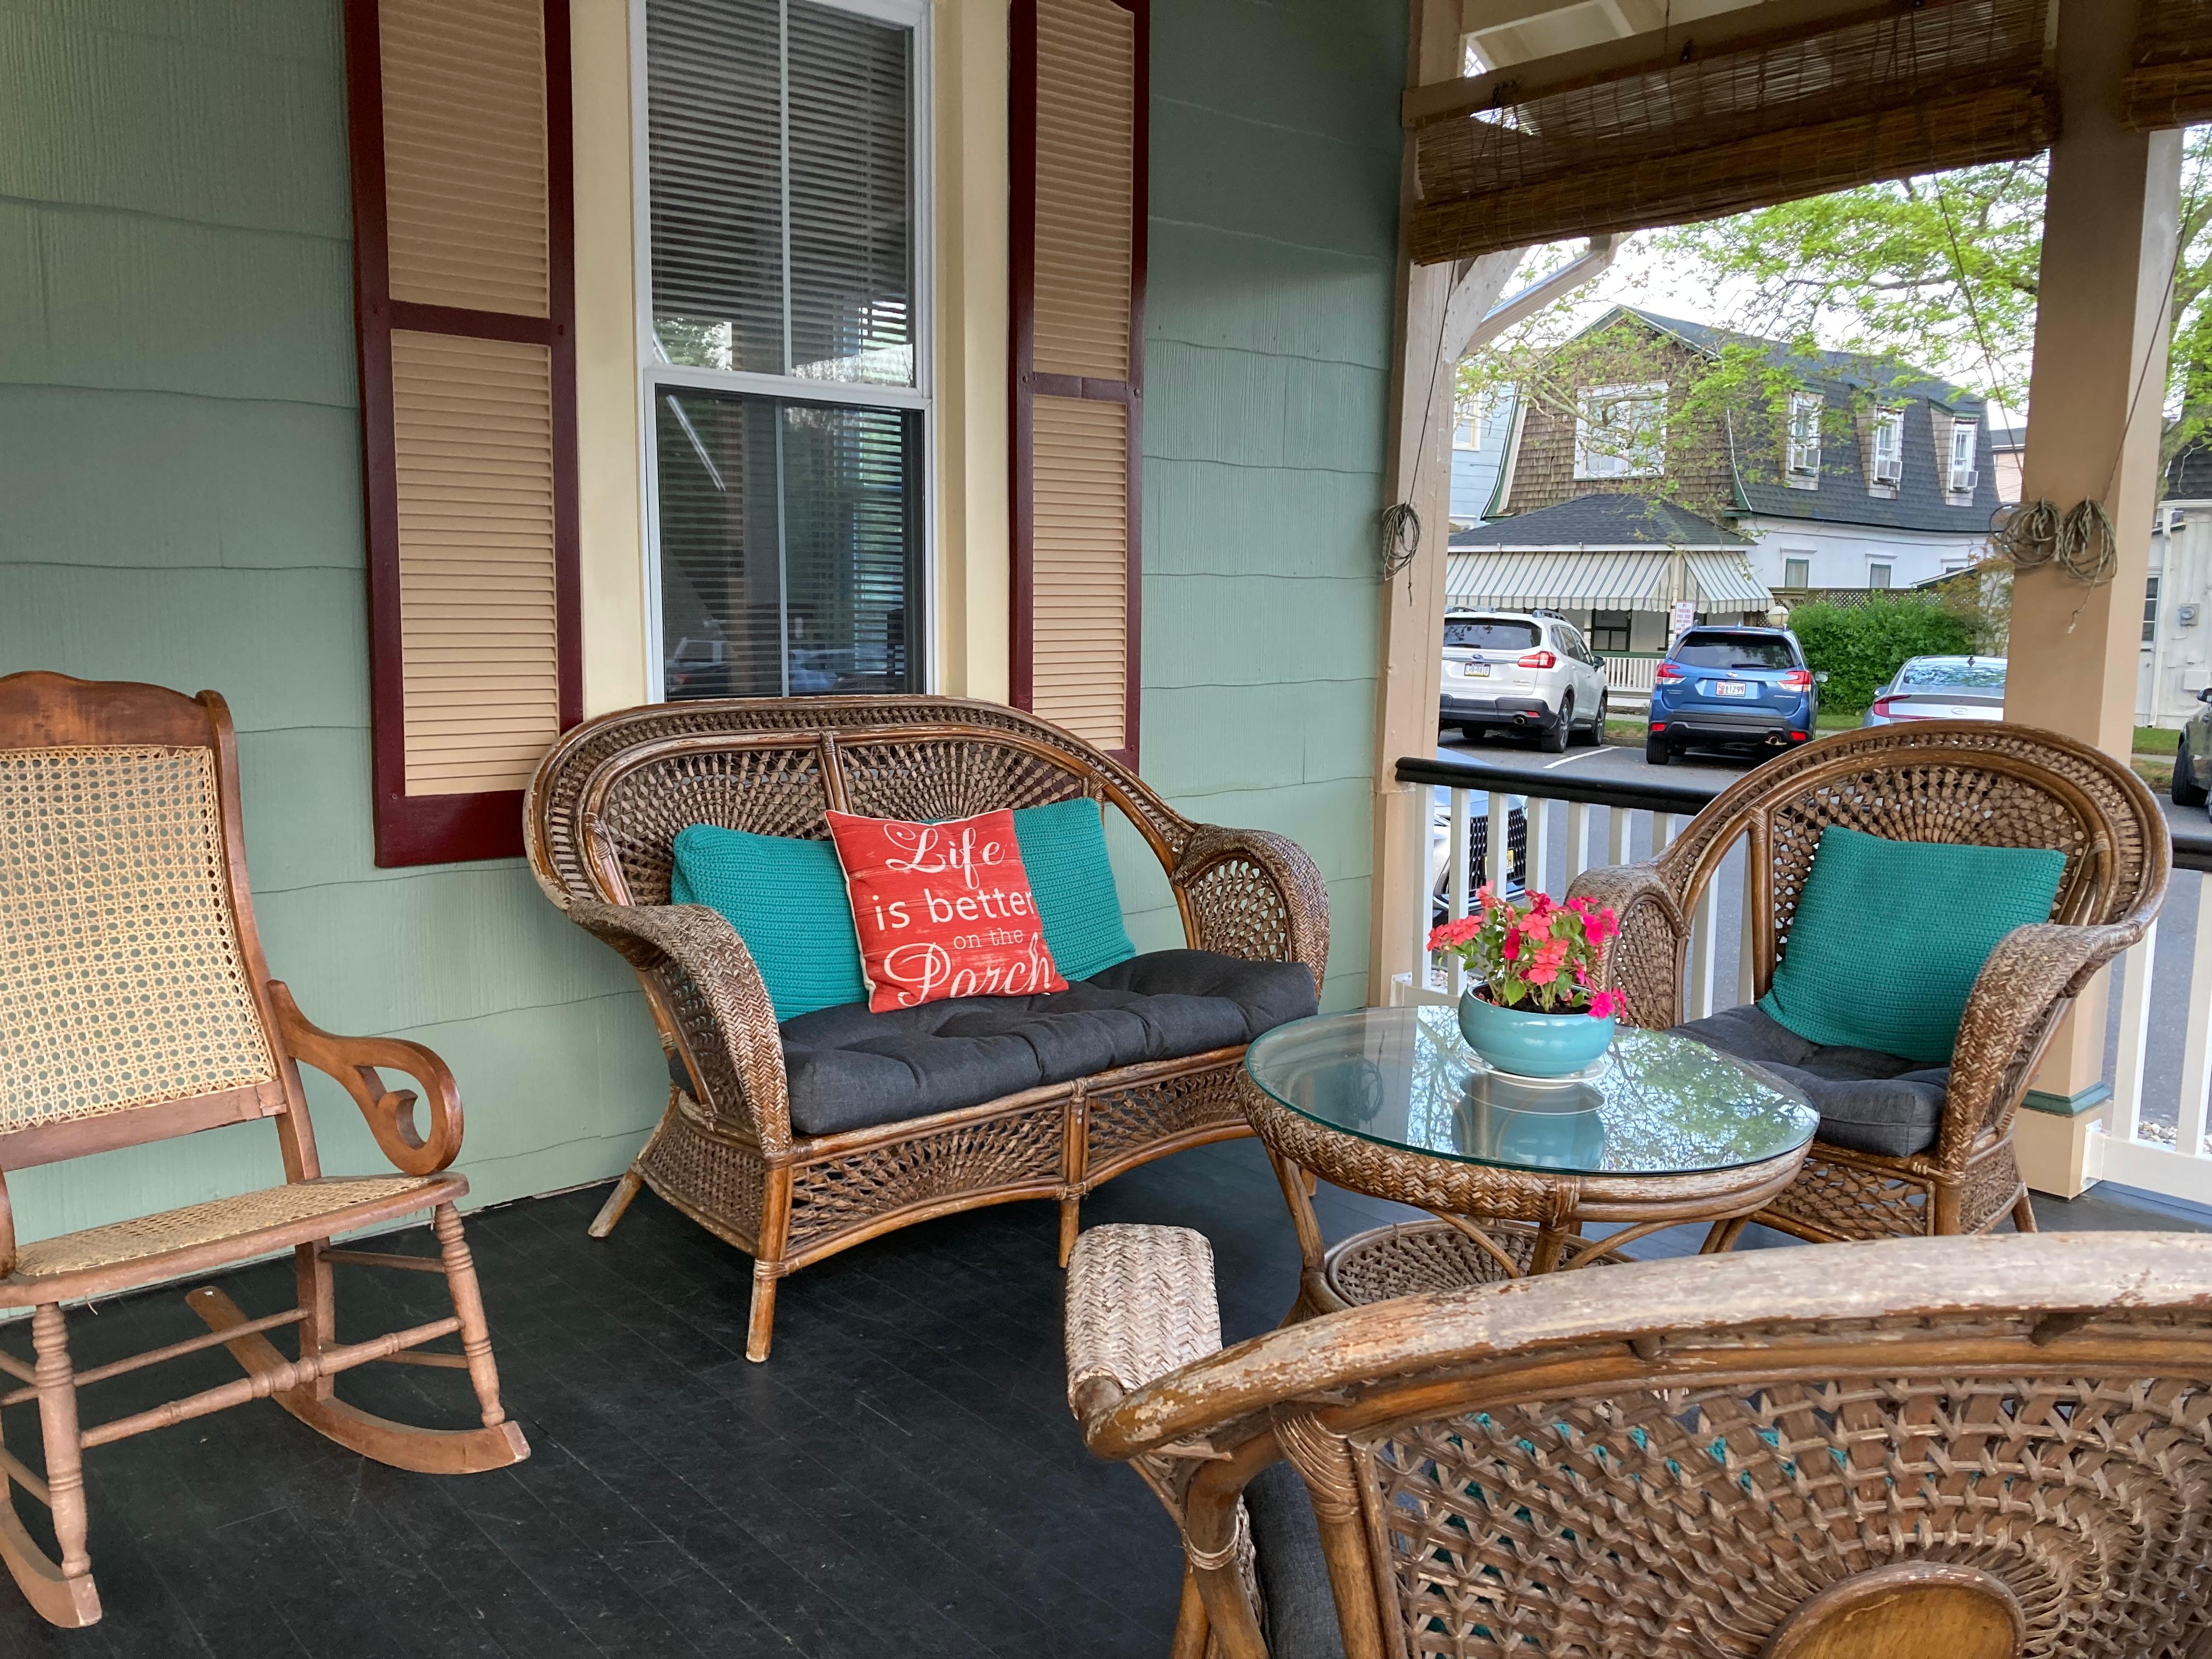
[(136, 1005)]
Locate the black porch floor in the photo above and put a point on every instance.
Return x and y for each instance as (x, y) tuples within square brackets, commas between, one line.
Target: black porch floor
[(901, 1479)]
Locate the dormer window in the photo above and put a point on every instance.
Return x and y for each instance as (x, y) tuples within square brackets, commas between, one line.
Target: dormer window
[(1889, 447), (1962, 478), (1620, 432), (1804, 457)]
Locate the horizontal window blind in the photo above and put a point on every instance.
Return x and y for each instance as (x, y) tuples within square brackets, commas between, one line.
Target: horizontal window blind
[(1079, 131), (2171, 82), (781, 177), (462, 261), (1943, 84)]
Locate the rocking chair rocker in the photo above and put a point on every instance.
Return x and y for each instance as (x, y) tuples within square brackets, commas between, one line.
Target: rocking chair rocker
[(136, 1005)]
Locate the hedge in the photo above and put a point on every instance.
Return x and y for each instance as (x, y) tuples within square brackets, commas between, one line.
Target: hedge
[(1860, 646)]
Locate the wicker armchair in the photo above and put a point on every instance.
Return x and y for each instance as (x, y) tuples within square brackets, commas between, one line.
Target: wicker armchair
[(136, 1006), (601, 819), (1973, 782), (1962, 1448)]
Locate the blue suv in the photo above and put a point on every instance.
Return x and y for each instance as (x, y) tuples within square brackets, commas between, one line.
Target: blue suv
[(1731, 688)]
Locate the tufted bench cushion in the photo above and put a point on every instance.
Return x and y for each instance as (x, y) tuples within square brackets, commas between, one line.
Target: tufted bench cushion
[(850, 1069)]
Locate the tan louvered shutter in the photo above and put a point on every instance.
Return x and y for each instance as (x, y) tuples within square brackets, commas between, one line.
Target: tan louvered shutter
[(1079, 127), (463, 249)]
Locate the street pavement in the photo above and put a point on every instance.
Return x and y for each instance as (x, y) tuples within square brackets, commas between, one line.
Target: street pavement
[(2177, 932)]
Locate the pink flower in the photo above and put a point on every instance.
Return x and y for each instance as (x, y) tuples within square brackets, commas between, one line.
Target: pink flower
[(1540, 975), (1537, 925), (1511, 948), (1604, 1003), (1541, 905)]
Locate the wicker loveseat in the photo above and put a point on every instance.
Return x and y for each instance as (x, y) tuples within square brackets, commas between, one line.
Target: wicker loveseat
[(1905, 1150), (794, 1143)]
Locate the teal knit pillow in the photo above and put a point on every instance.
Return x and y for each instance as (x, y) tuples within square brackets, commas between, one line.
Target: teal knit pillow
[(1064, 850), (1888, 936), (787, 899)]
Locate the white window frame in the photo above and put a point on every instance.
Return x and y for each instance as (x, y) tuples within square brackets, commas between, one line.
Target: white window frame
[(1957, 480), (654, 374), (1804, 559), (1802, 459), (1888, 569), (1888, 468), (1649, 460), (1466, 435)]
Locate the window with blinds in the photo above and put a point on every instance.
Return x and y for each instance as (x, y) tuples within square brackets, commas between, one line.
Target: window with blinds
[(785, 343)]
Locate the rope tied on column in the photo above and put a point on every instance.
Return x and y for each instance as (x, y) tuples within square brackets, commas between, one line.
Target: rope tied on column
[(2030, 535)]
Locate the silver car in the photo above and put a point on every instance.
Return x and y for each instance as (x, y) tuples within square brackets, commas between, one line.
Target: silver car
[(1520, 671), (1942, 689)]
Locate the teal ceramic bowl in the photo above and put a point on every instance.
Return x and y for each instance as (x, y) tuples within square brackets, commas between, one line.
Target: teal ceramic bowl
[(1529, 1044)]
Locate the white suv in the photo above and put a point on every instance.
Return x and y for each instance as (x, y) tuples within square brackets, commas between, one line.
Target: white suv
[(1517, 671)]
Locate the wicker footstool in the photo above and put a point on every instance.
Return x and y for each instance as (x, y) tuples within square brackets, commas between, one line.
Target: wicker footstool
[(1390, 1101)]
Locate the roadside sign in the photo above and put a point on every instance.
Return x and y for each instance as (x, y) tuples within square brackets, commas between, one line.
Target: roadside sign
[(1685, 617)]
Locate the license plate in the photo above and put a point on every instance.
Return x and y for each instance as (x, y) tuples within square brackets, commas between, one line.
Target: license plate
[(1478, 670), (1733, 689)]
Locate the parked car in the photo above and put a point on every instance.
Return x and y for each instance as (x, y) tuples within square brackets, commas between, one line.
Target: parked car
[(1516, 671), (2192, 756), (1942, 689), (1478, 849), (1731, 688)]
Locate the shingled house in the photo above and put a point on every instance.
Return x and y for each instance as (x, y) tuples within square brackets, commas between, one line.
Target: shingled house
[(1857, 473)]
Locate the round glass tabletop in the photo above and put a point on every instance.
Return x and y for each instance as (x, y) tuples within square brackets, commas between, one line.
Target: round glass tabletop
[(1656, 1105)]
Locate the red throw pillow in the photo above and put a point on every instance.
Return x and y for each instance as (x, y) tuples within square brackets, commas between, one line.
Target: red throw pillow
[(942, 909)]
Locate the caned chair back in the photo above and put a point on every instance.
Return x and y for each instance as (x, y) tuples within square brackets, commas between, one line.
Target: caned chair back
[(1964, 782), (129, 974), (1957, 1449), (609, 799)]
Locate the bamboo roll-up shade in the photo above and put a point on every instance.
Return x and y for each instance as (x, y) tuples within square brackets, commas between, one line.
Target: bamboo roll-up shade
[(1079, 275), (1080, 676), (464, 273), (1086, 70), (1947, 83), (2171, 82), (473, 423)]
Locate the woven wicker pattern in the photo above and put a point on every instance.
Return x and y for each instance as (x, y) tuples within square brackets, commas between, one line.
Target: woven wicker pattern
[(212, 1222), (1428, 1256), (1694, 1521), (122, 973), (1122, 1123), (769, 792), (600, 821), (2171, 85), (840, 1194), (1140, 1303), (1964, 783)]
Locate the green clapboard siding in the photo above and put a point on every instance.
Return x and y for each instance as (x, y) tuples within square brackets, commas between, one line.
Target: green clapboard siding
[(1273, 202), (180, 465)]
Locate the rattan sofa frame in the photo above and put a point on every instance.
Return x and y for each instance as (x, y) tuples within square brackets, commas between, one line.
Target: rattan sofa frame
[(600, 820), (1975, 782), (134, 979), (1958, 1448)]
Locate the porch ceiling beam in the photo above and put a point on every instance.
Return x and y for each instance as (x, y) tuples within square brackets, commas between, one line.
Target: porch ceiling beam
[(1635, 54)]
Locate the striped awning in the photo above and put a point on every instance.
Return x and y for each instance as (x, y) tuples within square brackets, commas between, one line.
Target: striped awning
[(1725, 582), (1506, 580)]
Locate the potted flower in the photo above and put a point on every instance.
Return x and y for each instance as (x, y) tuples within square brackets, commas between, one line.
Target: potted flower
[(1535, 1008)]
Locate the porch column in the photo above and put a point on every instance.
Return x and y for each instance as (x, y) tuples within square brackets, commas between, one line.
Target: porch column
[(2096, 396), (1437, 309)]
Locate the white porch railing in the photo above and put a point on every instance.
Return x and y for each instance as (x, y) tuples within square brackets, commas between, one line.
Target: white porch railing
[(2159, 1037), (1629, 678)]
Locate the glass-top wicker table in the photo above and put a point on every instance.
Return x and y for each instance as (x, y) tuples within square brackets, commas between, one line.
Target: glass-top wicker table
[(1392, 1103)]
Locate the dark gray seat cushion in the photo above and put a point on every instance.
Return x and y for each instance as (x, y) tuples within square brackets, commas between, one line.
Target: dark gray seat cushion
[(1293, 1573), (1868, 1101), (851, 1069)]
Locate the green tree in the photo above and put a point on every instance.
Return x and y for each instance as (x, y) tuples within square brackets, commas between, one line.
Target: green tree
[(1939, 272)]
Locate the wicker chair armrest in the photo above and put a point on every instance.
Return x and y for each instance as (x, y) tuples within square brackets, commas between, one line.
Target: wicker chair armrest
[(711, 990), (353, 1060), (2019, 997), (1644, 962), (1255, 894), (1140, 1304)]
